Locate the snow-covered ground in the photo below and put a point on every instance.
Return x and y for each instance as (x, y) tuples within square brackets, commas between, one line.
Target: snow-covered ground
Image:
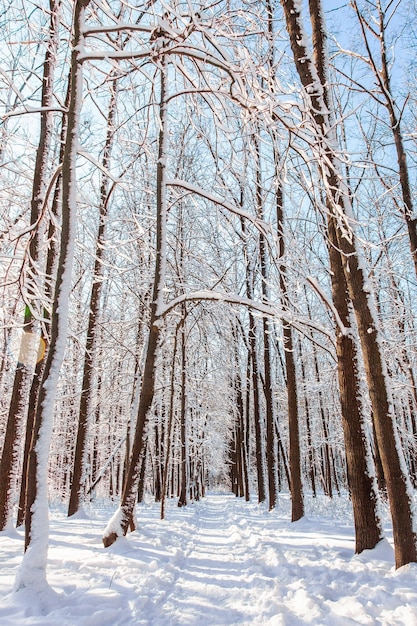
[(217, 562)]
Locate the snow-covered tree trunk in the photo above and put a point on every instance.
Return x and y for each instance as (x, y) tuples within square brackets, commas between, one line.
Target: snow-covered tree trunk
[(24, 369), (170, 424), (361, 481), (269, 421), (119, 523), (32, 571), (311, 460), (80, 457), (255, 383), (51, 263)]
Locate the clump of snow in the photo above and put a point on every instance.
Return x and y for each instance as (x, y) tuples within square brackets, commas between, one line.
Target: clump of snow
[(115, 524), (80, 514), (219, 561)]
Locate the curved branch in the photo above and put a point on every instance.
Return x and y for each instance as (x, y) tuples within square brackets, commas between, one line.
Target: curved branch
[(266, 309)]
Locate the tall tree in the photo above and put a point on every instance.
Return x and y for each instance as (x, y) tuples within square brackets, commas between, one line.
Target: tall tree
[(267, 343), (32, 572), (24, 368), (123, 517), (314, 79), (80, 457), (297, 503)]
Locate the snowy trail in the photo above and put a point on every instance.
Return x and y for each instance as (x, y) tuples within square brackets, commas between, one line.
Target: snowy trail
[(219, 562), (217, 582)]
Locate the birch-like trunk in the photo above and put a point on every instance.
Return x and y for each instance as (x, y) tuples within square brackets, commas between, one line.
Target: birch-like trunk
[(80, 457), (269, 421), (24, 369), (33, 568), (51, 266)]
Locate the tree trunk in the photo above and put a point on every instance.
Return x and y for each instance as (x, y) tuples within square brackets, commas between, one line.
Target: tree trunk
[(80, 457), (23, 374), (269, 422), (258, 422), (296, 486), (310, 451), (119, 524), (170, 426), (314, 80), (33, 568), (358, 459), (51, 261)]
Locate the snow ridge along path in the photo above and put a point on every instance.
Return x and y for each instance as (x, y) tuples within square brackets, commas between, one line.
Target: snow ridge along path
[(217, 562)]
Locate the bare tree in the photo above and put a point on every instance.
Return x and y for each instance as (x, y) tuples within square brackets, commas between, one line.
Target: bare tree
[(316, 93), (24, 369), (33, 568), (374, 21), (79, 472)]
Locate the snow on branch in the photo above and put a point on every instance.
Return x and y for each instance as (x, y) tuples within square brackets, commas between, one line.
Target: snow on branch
[(99, 30), (328, 303), (29, 110), (100, 166), (266, 309), (261, 225), (189, 51)]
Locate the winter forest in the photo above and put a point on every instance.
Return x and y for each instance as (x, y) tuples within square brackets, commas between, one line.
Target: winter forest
[(208, 268)]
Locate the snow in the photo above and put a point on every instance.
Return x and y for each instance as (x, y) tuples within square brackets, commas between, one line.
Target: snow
[(220, 561)]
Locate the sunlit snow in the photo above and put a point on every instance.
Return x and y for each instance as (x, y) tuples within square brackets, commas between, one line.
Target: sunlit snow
[(217, 562)]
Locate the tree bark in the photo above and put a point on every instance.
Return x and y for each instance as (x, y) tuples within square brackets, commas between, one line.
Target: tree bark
[(24, 371), (119, 524), (314, 81), (33, 568), (358, 458)]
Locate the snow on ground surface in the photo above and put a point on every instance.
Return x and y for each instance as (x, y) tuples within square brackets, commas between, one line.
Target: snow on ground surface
[(217, 562)]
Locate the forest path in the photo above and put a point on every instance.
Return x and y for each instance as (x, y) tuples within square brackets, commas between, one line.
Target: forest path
[(217, 562), (218, 581), (234, 563)]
